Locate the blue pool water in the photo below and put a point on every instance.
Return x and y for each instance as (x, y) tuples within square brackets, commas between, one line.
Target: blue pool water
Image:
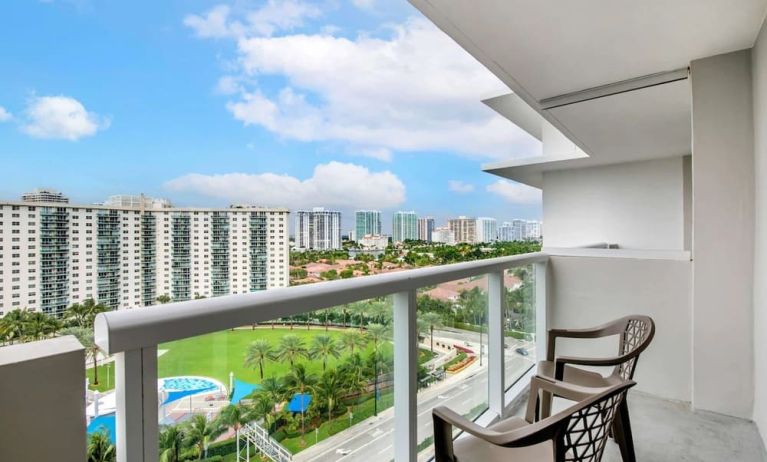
[(105, 422), (187, 384)]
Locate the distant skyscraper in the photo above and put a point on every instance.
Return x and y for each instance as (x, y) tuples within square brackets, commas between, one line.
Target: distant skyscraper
[(45, 195), (464, 229), (319, 229), (486, 229), (443, 235), (404, 226), (533, 231), (425, 228), (519, 230), (367, 222), (506, 232)]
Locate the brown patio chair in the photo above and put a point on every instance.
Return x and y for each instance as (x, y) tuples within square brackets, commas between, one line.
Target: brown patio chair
[(635, 334), (577, 434)]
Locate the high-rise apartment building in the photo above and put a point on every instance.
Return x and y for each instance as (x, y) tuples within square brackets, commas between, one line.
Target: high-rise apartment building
[(404, 226), (45, 195), (55, 254), (486, 229), (534, 230), (137, 201), (425, 228), (367, 222), (443, 235), (506, 232), (464, 229), (318, 229)]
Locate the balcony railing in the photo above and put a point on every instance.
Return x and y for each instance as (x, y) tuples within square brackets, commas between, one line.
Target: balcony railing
[(134, 335)]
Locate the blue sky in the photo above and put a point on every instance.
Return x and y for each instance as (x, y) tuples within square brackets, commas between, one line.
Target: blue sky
[(339, 103)]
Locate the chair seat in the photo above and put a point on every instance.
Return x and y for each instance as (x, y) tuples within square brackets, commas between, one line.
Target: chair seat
[(578, 376), (468, 448)]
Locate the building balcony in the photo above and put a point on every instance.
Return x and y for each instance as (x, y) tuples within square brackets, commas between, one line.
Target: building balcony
[(574, 288)]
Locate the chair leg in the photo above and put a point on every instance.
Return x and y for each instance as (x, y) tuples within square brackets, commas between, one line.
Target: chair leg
[(622, 432), (545, 406)]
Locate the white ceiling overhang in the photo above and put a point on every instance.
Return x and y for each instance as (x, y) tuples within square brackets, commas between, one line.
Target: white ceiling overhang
[(610, 75)]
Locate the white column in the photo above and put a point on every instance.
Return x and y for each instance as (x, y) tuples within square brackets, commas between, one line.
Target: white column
[(136, 394), (405, 376), (541, 307), (495, 355)]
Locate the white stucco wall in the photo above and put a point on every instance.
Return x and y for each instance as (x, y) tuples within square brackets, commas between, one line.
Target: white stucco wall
[(587, 291), (759, 73), (723, 233), (42, 398), (638, 205)]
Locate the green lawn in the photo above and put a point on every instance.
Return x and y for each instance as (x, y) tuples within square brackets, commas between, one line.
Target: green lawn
[(215, 355)]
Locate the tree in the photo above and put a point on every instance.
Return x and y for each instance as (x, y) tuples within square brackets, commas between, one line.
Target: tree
[(324, 346), (300, 381), (14, 324), (353, 339), (259, 352), (199, 432), (171, 443), (100, 448), (290, 349), (83, 315), (359, 309), (163, 299), (432, 320), (39, 325), (235, 416), (85, 337), (329, 390), (263, 407), (377, 333), (274, 389)]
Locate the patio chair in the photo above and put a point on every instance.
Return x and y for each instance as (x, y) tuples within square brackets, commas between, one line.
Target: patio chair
[(635, 334), (577, 434)]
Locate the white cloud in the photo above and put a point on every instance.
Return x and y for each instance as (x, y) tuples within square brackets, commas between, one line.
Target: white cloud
[(4, 115), (364, 4), (460, 186), (273, 16), (515, 193), (414, 91), (334, 184), (61, 117)]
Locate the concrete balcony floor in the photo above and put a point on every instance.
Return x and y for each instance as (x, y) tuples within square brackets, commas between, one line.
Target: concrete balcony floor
[(666, 431)]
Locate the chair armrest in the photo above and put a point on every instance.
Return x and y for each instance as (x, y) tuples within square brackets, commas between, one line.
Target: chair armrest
[(556, 388), (561, 361), (445, 419), (605, 330)]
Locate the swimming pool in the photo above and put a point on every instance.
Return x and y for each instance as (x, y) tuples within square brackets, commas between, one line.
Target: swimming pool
[(188, 384)]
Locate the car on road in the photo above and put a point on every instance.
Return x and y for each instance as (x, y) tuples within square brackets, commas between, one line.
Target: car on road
[(522, 351)]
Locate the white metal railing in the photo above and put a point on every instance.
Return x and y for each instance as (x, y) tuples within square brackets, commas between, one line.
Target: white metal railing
[(133, 335), (257, 435)]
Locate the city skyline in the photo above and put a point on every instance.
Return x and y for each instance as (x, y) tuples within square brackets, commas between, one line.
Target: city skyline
[(196, 127)]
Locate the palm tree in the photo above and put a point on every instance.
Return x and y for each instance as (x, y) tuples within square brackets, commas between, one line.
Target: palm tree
[(14, 323), (433, 320), (235, 416), (353, 339), (263, 407), (171, 442), (163, 299), (259, 351), (39, 325), (329, 389), (324, 346), (85, 337), (359, 309), (377, 333), (300, 381), (83, 315), (355, 374), (274, 389), (100, 448), (290, 349), (200, 432)]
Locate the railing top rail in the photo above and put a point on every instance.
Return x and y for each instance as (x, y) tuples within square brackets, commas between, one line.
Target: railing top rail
[(125, 330)]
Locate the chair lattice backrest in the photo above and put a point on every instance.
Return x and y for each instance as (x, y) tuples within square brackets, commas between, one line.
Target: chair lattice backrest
[(635, 336), (586, 432)]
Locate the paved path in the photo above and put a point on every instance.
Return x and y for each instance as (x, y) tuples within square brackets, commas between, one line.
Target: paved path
[(372, 440)]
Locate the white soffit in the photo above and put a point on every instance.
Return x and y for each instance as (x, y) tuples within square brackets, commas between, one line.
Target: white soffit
[(648, 123), (546, 48)]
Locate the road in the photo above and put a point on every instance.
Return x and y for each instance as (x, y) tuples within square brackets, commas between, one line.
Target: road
[(372, 440)]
